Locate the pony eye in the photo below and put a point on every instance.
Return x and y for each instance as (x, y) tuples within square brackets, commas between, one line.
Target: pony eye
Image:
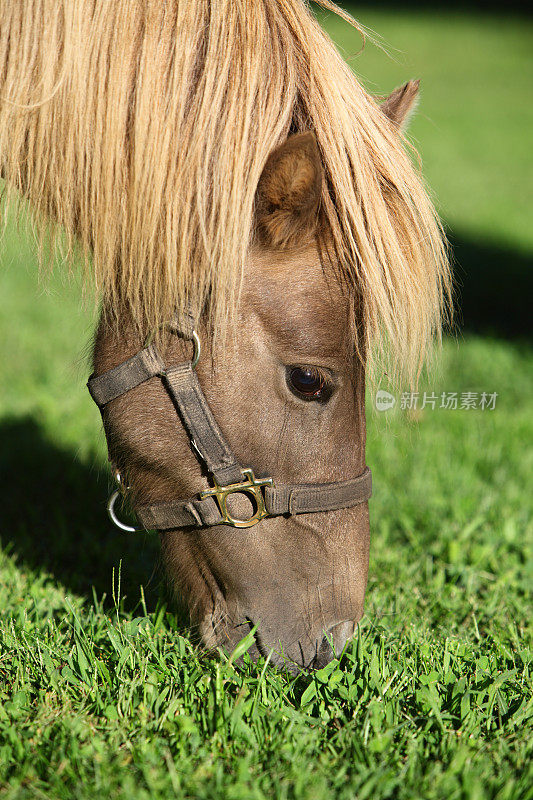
[(308, 383)]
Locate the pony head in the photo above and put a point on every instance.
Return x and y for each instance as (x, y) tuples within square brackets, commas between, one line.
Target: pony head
[(222, 159)]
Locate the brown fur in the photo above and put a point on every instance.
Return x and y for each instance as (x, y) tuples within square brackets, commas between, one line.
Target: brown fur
[(298, 577)]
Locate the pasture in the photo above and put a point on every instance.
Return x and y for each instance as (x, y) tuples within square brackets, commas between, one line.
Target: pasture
[(102, 690)]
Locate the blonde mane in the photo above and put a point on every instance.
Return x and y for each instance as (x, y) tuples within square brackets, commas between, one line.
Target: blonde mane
[(142, 128)]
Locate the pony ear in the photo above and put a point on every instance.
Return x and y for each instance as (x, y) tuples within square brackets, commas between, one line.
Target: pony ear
[(289, 191), (399, 105)]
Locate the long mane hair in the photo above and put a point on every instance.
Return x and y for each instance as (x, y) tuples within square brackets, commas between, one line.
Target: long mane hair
[(142, 128)]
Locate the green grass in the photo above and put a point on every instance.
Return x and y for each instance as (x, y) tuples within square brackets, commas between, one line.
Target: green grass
[(107, 695), (475, 108)]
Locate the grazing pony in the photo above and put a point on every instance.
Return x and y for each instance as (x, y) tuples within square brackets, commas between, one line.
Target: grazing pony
[(231, 184)]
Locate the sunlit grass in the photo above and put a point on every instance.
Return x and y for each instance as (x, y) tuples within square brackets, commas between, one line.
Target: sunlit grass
[(431, 700), (108, 696), (475, 107)]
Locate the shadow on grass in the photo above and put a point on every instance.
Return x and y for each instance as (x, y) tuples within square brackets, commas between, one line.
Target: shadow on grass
[(494, 286), (53, 513)]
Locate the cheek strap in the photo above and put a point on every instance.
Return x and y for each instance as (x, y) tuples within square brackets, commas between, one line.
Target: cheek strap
[(229, 477)]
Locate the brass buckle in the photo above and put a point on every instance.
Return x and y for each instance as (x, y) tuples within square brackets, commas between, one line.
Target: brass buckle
[(249, 485)]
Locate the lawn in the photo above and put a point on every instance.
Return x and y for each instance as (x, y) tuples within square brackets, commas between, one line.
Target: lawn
[(101, 689)]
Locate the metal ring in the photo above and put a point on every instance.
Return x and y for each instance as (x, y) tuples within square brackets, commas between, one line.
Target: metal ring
[(113, 517), (124, 487), (195, 339), (197, 349)]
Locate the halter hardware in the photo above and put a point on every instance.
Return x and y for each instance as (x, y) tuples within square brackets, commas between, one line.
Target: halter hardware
[(250, 486), (192, 335), (209, 507), (113, 497), (121, 491)]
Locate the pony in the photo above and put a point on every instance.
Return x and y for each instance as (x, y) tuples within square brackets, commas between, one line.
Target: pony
[(219, 162)]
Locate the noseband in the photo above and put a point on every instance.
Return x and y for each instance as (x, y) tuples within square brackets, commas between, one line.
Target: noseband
[(210, 506)]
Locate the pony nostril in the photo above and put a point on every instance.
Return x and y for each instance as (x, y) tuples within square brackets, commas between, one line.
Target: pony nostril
[(325, 652), (333, 643)]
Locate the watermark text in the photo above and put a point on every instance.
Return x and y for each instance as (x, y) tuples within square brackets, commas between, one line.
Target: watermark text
[(432, 401)]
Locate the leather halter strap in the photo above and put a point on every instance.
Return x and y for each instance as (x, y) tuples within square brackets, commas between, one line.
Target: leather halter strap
[(300, 498), (210, 508)]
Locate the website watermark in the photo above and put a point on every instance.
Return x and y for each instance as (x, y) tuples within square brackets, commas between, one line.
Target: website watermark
[(449, 401)]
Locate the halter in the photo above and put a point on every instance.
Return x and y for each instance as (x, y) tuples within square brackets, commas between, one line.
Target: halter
[(209, 507)]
